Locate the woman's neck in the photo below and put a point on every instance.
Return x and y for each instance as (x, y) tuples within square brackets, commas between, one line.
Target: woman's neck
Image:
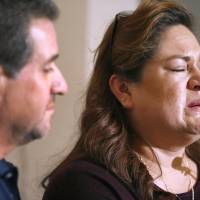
[(172, 170), (165, 157)]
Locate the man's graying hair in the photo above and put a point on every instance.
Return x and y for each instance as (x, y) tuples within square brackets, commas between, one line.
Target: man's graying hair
[(15, 18)]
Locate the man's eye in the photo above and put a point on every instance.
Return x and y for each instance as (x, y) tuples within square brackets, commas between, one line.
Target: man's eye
[(47, 69)]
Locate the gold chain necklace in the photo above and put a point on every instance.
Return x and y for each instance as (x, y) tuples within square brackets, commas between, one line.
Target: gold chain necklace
[(166, 187)]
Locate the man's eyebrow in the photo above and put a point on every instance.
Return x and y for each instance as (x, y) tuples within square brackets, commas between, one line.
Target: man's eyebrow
[(52, 59)]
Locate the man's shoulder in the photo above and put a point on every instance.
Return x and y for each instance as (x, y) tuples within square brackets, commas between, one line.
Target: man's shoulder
[(6, 168), (8, 181)]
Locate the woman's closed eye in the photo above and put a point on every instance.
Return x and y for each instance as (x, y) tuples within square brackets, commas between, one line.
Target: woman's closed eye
[(178, 69)]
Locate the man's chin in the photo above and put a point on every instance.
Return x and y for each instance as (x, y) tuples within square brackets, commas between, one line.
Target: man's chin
[(29, 137)]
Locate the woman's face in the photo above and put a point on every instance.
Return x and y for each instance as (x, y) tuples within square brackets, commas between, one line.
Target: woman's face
[(167, 99)]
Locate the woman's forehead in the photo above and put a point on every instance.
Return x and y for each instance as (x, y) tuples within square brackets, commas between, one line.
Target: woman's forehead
[(177, 41)]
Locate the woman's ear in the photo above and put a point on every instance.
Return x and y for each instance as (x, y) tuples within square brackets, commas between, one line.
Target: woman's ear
[(121, 90)]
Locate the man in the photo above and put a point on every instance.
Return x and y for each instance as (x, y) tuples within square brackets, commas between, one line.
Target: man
[(29, 79)]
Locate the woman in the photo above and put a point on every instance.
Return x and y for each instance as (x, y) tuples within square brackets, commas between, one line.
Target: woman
[(141, 122)]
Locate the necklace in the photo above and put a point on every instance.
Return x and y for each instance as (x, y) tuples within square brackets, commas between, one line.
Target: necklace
[(192, 195), (167, 189), (162, 178)]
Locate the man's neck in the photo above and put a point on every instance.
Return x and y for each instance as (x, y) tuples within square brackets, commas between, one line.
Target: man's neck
[(6, 145), (5, 150)]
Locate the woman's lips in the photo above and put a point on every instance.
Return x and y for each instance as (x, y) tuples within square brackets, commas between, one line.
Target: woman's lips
[(195, 105)]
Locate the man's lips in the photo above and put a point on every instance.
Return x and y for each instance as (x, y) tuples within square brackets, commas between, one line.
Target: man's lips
[(50, 106)]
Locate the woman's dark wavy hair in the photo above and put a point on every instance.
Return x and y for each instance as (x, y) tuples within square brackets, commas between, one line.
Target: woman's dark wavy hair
[(129, 42)]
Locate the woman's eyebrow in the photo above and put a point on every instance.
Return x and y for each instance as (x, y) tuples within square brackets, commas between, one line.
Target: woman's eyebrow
[(185, 58)]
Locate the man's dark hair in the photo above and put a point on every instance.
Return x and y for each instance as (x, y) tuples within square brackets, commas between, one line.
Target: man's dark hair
[(15, 18)]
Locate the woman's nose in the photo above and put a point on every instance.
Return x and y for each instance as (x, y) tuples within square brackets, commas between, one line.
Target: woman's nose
[(194, 81)]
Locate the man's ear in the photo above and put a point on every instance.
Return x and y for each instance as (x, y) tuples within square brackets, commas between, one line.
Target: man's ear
[(121, 90), (3, 80)]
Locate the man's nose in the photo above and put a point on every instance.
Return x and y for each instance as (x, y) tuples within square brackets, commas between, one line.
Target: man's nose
[(59, 85)]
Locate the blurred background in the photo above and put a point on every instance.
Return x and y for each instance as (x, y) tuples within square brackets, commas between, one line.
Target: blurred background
[(80, 29)]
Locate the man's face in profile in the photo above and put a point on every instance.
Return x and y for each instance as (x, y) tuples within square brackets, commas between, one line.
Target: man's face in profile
[(27, 101)]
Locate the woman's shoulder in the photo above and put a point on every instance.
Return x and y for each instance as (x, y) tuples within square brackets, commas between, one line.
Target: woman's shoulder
[(91, 168), (87, 179)]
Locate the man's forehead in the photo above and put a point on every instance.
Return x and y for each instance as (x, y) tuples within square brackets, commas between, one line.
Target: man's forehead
[(43, 38)]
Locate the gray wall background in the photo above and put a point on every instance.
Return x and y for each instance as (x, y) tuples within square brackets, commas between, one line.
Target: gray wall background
[(194, 6)]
